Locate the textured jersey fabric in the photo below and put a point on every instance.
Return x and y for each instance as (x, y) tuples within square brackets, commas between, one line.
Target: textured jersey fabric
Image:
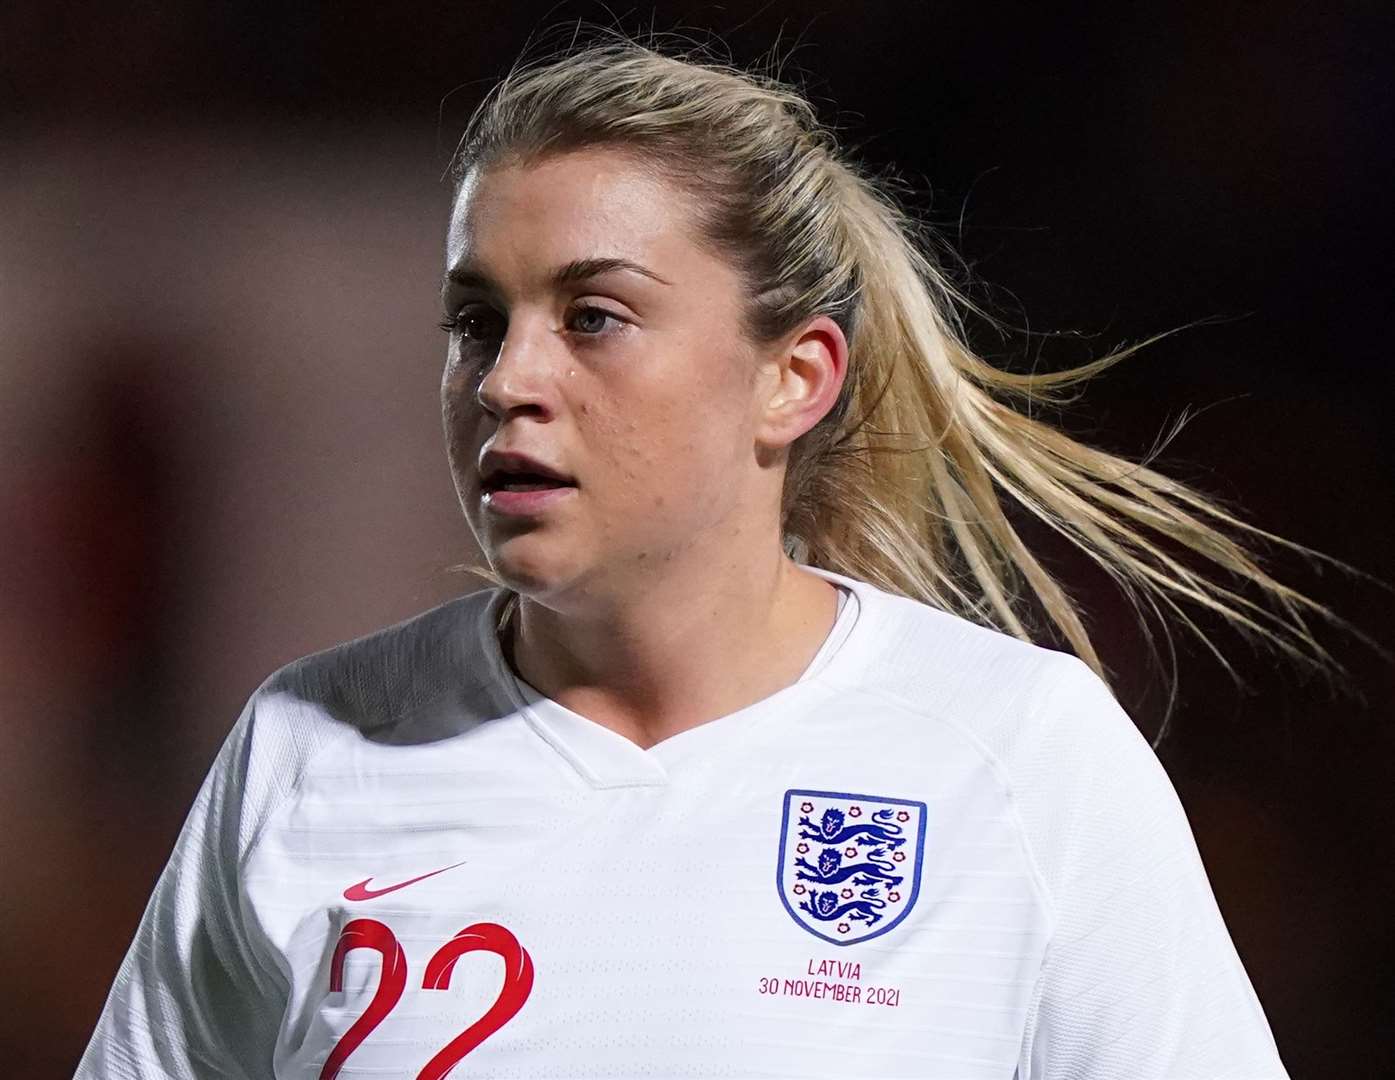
[(940, 853)]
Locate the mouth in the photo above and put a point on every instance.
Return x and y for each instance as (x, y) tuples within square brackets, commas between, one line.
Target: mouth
[(522, 481), (515, 482), (523, 498)]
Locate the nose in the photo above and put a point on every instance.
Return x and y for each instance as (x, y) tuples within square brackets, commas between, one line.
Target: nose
[(520, 376)]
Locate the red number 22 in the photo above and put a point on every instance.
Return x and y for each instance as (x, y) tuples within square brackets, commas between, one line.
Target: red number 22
[(392, 981)]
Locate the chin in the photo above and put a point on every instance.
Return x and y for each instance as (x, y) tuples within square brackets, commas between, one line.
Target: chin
[(527, 573)]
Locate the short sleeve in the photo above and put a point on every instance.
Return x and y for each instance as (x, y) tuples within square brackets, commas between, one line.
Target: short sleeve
[(1141, 980), (193, 999)]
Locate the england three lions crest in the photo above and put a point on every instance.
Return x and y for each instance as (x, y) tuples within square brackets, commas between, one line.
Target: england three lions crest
[(849, 864)]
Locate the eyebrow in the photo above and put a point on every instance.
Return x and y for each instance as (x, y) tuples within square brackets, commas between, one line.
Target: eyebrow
[(570, 273)]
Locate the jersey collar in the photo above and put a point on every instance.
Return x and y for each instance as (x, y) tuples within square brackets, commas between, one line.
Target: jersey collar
[(606, 759)]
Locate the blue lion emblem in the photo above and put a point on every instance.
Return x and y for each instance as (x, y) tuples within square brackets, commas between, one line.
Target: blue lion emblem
[(831, 870), (825, 907), (830, 829), (849, 864)]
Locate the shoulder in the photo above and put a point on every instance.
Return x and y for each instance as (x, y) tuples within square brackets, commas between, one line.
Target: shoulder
[(1086, 788), (384, 677), (990, 683), (367, 688), (1047, 723)]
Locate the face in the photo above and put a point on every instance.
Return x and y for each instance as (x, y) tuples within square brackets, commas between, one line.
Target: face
[(634, 382)]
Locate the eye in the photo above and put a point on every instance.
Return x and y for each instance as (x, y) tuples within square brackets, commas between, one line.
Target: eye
[(473, 322), (478, 323), (591, 320)]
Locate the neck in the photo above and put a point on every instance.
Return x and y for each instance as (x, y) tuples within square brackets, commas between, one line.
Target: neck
[(685, 652)]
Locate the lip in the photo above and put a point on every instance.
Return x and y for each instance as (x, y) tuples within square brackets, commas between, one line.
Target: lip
[(493, 461), (522, 503)]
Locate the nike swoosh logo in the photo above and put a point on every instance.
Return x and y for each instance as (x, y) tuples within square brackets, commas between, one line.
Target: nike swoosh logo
[(361, 891)]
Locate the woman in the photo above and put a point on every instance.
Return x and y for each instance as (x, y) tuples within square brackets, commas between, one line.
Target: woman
[(746, 764)]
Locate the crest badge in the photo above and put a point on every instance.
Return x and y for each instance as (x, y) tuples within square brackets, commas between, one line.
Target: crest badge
[(849, 866)]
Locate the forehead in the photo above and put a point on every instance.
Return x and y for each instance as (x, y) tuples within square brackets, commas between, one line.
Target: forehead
[(510, 220)]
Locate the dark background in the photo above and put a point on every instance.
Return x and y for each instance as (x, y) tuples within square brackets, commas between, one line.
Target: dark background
[(221, 233)]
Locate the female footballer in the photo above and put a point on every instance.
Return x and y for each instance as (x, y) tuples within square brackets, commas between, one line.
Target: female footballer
[(746, 763)]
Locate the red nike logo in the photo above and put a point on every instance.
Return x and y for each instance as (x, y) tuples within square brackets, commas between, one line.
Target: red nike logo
[(361, 891)]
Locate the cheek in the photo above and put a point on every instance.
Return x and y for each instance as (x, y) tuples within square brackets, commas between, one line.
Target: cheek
[(633, 457), (676, 457), (463, 436), (457, 436)]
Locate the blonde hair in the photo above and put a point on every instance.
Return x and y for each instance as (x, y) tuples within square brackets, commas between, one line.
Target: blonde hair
[(901, 484)]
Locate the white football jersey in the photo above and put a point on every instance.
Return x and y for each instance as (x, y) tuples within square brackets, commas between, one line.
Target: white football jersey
[(941, 853)]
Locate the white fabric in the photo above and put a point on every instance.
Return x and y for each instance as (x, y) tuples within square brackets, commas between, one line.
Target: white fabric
[(1057, 925)]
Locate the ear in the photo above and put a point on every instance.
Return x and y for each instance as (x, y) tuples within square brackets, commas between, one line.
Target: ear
[(799, 382)]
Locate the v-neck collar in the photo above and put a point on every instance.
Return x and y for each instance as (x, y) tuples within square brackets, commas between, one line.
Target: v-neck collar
[(607, 759)]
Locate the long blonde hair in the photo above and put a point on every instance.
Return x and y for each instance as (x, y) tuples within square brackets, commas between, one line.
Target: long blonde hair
[(902, 483)]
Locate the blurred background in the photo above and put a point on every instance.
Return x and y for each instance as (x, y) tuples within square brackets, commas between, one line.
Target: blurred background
[(221, 231)]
